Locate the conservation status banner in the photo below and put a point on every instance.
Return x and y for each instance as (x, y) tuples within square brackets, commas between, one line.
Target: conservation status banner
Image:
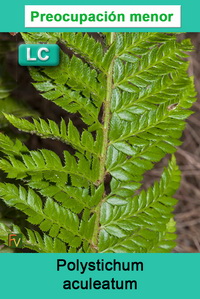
[(179, 16)]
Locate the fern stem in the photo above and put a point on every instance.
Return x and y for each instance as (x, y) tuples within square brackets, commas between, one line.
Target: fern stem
[(106, 122)]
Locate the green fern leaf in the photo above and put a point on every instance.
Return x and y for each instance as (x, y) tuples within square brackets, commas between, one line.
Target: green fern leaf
[(133, 93), (33, 240)]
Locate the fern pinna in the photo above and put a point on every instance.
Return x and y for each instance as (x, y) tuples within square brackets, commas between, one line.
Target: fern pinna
[(132, 91)]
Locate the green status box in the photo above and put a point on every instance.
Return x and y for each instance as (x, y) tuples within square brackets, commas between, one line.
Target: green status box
[(38, 55)]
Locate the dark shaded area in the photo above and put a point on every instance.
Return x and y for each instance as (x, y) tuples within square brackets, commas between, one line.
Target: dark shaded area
[(188, 155)]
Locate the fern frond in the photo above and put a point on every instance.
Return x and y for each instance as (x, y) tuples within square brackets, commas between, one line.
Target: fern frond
[(133, 93), (86, 46), (34, 241), (74, 198), (11, 147), (67, 134), (78, 76), (51, 218), (69, 100), (46, 164), (139, 43), (150, 210)]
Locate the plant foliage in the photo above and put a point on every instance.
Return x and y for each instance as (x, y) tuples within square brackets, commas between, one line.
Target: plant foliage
[(132, 92), (9, 104)]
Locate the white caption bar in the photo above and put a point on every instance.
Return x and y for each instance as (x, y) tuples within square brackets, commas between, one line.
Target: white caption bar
[(113, 16)]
